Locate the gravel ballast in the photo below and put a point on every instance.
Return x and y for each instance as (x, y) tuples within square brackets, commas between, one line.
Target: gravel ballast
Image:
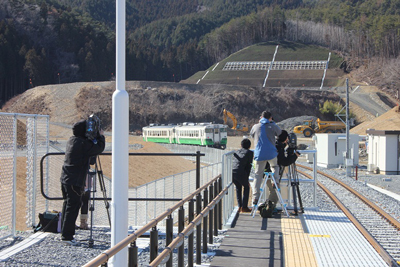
[(52, 252)]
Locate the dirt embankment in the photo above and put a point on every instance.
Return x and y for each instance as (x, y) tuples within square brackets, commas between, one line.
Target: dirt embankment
[(167, 103)]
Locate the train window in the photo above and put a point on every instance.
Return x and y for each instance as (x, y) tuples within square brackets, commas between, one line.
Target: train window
[(216, 130), (208, 130)]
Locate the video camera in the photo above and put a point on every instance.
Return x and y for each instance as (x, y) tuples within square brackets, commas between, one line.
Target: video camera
[(93, 128), (292, 143)]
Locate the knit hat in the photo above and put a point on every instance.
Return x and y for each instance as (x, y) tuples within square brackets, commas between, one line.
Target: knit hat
[(79, 128), (283, 136)]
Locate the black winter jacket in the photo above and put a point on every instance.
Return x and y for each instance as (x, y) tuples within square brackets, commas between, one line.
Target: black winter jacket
[(76, 163), (241, 164), (283, 159)]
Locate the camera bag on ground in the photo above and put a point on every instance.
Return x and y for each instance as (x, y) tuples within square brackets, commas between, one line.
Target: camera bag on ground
[(266, 209), (49, 221)]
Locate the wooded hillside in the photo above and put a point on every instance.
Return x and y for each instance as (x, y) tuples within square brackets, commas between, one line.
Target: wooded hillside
[(59, 41)]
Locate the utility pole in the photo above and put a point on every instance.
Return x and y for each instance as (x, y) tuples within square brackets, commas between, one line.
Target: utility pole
[(349, 163)]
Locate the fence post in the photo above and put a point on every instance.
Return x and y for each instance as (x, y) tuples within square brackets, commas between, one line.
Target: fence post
[(191, 236), (197, 169), (169, 236), (198, 231), (205, 203), (216, 210), (220, 205), (210, 217), (181, 226), (133, 255), (153, 243)]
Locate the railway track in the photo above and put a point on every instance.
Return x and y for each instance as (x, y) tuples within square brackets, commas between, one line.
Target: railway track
[(377, 226)]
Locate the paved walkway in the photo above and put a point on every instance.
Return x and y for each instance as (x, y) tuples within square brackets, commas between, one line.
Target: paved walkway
[(315, 238), (252, 242)]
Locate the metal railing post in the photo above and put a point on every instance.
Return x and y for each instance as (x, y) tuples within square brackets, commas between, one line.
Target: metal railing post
[(181, 226), (153, 243), (216, 210), (220, 211), (198, 230), (211, 217), (197, 169), (169, 234), (205, 203), (133, 255), (191, 236)]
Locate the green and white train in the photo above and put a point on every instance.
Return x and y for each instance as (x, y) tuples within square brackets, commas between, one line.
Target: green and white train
[(201, 134)]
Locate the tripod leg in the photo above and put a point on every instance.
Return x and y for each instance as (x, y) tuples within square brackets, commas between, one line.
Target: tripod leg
[(293, 184), (91, 208), (300, 201), (298, 188), (262, 191), (278, 192), (103, 188)]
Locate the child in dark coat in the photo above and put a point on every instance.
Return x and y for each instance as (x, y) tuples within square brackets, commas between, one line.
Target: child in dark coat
[(241, 167)]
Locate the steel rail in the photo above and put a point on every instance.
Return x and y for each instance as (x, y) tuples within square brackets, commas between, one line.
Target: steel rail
[(375, 244), (383, 213)]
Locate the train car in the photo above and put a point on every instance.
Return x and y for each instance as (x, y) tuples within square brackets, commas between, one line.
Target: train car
[(220, 135), (159, 133), (201, 134)]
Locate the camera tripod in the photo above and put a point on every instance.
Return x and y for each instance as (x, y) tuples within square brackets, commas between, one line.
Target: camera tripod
[(294, 183), (92, 189), (269, 175)]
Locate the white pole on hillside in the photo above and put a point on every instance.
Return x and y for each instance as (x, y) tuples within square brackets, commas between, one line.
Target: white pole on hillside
[(270, 66), (326, 67), (120, 144)]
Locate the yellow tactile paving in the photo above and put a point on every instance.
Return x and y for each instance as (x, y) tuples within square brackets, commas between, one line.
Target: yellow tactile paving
[(298, 249)]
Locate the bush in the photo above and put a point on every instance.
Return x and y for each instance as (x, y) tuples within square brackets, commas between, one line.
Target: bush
[(331, 109)]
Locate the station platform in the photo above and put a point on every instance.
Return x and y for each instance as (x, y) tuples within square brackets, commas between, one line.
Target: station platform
[(315, 238)]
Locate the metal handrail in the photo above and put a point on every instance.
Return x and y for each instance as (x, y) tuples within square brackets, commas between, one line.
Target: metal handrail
[(197, 155), (104, 257), (189, 229)]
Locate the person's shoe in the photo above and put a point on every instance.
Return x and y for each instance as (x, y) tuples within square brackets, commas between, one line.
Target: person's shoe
[(240, 209), (245, 210), (84, 225), (255, 202), (72, 242)]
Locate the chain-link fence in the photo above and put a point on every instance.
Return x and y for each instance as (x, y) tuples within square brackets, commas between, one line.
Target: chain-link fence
[(220, 162), (176, 186), (23, 139), (142, 211), (8, 147)]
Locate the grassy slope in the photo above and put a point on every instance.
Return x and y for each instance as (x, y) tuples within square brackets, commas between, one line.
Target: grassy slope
[(265, 52)]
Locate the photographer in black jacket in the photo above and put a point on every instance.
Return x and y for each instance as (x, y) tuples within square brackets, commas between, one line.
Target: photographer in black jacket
[(285, 158), (80, 148)]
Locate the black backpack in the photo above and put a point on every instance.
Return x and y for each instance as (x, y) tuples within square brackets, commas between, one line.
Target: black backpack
[(266, 209), (49, 222)]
